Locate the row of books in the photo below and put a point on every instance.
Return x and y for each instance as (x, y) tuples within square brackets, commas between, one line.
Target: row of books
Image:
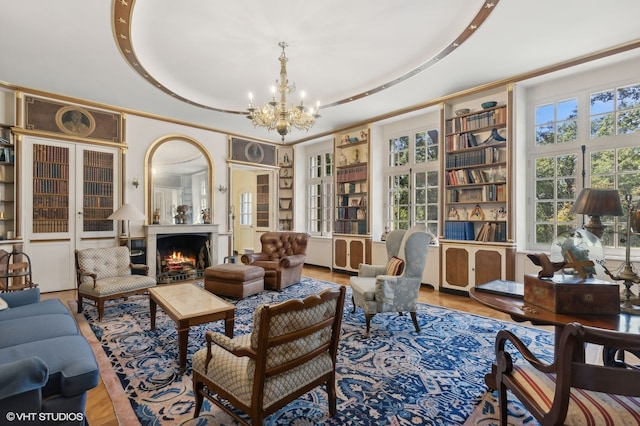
[(350, 213), (352, 188), (350, 227), (460, 141), (51, 226), (47, 186), (464, 230), (54, 200), (93, 201), (60, 213), (351, 174), (98, 188), (487, 194), (492, 231), (351, 201), (489, 155), (477, 121), (51, 170), (474, 176), (50, 154), (459, 230), (98, 159), (98, 174)]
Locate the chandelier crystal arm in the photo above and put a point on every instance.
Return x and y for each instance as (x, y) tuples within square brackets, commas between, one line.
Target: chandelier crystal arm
[(275, 114)]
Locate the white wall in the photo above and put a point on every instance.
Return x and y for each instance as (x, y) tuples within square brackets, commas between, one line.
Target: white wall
[(141, 133)]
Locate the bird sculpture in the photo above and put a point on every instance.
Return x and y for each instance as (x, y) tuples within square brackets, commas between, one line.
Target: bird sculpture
[(548, 267)]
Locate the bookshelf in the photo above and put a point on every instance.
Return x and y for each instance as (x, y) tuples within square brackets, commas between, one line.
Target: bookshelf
[(352, 239), (7, 183), (285, 188), (50, 189), (98, 184), (477, 245), (262, 203)]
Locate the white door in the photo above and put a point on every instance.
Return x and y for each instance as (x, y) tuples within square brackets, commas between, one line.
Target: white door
[(73, 190)]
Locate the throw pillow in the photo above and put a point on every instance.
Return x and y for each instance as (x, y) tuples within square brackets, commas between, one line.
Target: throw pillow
[(3, 304), (395, 266)]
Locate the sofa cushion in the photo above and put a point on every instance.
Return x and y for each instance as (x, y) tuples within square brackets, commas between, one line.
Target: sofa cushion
[(71, 363), (20, 330), (3, 304), (46, 307)]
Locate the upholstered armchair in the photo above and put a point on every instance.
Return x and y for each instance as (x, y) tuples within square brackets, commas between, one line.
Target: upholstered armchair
[(393, 287), (282, 258), (569, 390), (291, 350), (105, 273)]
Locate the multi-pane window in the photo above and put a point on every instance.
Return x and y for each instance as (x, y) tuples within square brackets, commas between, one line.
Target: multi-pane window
[(616, 168), (557, 122), (615, 111), (246, 208), (412, 181), (555, 190), (561, 171), (320, 194)]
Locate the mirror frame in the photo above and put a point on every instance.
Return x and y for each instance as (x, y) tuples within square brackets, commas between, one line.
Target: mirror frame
[(148, 165)]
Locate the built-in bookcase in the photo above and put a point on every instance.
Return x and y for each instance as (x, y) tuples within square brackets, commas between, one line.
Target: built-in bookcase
[(477, 244)]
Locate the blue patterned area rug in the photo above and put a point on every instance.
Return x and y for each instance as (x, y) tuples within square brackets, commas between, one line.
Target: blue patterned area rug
[(394, 377)]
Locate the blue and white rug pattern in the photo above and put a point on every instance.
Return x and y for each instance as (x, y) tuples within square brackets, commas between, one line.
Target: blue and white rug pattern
[(395, 376)]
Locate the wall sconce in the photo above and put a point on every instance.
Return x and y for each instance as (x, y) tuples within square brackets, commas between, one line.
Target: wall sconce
[(222, 188), (135, 182)]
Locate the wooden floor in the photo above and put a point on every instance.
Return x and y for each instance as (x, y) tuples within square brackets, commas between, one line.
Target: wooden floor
[(100, 408)]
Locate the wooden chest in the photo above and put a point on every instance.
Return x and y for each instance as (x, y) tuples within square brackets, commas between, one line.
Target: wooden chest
[(572, 295)]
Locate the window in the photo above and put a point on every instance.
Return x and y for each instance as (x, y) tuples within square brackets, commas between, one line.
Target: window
[(412, 181), (320, 194), (567, 158), (615, 112), (557, 122), (246, 209)]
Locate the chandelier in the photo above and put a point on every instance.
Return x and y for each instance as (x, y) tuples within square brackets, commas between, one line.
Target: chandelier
[(275, 114)]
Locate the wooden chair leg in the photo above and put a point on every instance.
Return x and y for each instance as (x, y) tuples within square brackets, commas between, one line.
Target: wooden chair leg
[(353, 302), (414, 318), (331, 393), (368, 320), (197, 392), (100, 305), (79, 304)]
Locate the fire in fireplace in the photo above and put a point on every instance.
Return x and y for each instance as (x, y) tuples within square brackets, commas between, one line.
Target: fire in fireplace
[(182, 257)]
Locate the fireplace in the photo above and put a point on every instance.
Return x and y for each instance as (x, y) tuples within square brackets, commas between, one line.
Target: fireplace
[(181, 252), (181, 257)]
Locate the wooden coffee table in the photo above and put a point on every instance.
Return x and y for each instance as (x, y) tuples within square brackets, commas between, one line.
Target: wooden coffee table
[(188, 305)]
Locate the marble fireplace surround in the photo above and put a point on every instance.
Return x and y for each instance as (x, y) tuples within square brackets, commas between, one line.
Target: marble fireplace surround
[(152, 232)]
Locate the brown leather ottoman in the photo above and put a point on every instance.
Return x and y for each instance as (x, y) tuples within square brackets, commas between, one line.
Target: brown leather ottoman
[(233, 280)]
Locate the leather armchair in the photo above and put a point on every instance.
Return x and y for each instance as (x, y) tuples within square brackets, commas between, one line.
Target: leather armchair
[(282, 258), (375, 292)]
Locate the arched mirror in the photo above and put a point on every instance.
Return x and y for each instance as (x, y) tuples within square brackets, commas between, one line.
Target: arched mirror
[(179, 175)]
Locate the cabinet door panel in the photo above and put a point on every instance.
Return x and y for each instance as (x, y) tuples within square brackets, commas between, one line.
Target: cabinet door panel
[(457, 267), (356, 254), (340, 253), (488, 266)]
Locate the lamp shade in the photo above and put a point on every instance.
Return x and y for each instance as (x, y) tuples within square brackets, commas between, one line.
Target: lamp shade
[(127, 212), (598, 202)]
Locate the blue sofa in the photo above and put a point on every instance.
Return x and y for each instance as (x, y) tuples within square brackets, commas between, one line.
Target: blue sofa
[(46, 365)]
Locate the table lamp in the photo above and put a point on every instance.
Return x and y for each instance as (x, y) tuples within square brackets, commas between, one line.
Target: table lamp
[(596, 203), (128, 212)]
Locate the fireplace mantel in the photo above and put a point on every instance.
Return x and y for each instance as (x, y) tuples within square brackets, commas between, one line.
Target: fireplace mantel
[(152, 232)]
